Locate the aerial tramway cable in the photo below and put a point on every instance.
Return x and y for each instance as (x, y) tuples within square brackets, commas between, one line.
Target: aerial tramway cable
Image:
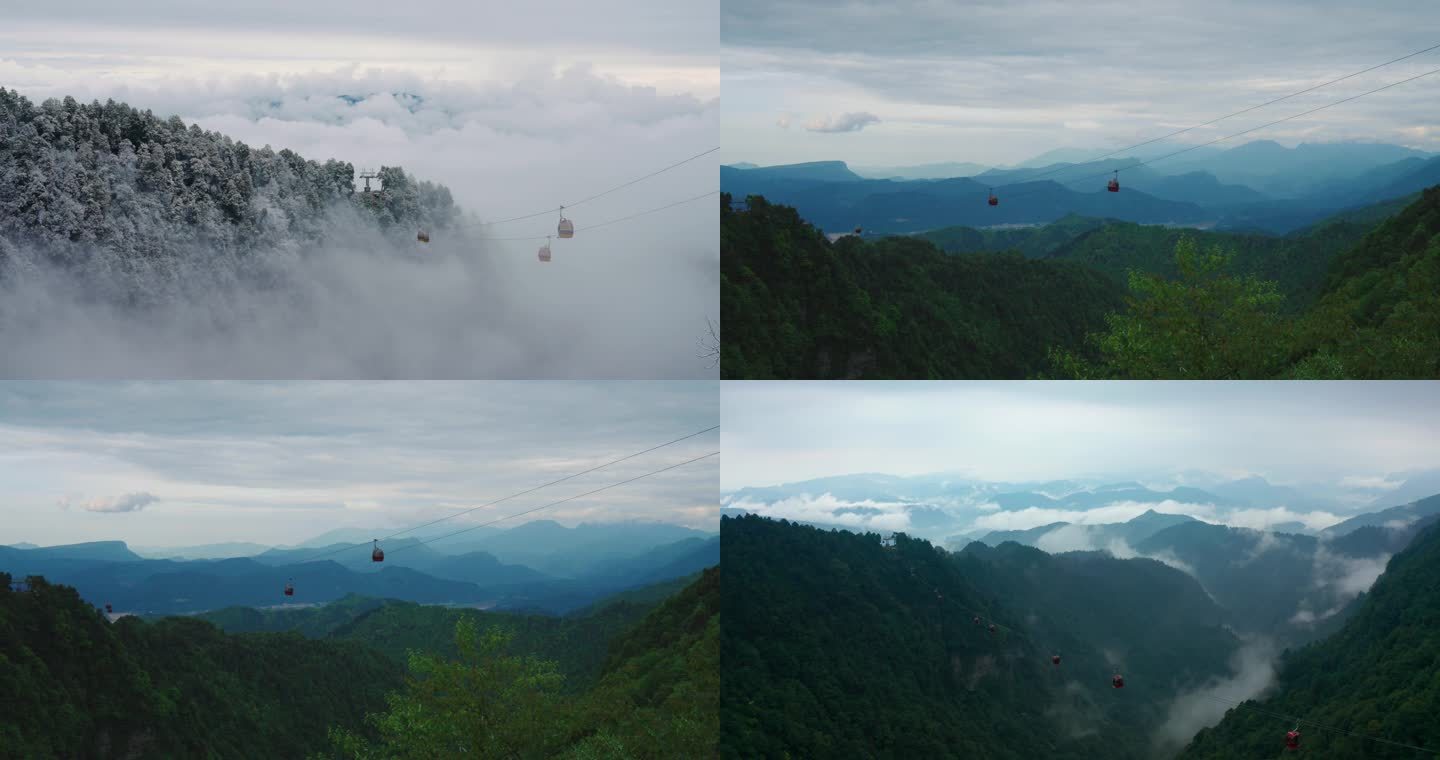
[(516, 494), (592, 197), (616, 221), (1032, 178), (557, 502), (1244, 132)]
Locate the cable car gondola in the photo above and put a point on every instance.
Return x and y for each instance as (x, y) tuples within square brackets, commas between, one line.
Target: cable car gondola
[(1118, 681), (992, 629), (108, 609), (289, 588), (1054, 659), (1292, 739), (544, 254), (567, 228), (422, 236), (994, 201), (1114, 184), (377, 554)]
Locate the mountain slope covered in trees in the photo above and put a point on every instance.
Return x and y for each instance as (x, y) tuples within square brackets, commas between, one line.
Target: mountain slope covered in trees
[(1376, 677), (75, 685), (797, 306), (656, 696), (91, 184), (836, 646)]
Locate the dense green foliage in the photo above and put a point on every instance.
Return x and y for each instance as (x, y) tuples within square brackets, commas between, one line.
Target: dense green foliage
[(1034, 242), (796, 306), (835, 646), (74, 685), (657, 696), (1376, 677), (1378, 317), (1355, 296)]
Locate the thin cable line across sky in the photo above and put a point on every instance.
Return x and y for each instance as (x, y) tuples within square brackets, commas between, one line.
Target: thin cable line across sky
[(1237, 134), (348, 547), (593, 197), (555, 503), (614, 221), (1227, 116)]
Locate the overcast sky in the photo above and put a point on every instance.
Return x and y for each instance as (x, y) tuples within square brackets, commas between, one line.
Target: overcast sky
[(195, 463), (1288, 432), (913, 81), (522, 107)]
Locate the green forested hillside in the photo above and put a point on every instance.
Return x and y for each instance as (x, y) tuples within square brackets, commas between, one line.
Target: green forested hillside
[(1376, 677), (1035, 242), (835, 646), (656, 696), (74, 685), (796, 306), (1378, 315), (1354, 296)]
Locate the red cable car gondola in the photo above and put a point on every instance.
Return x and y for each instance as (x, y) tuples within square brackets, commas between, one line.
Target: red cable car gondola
[(1117, 681), (377, 554), (1292, 739), (994, 201), (1114, 184), (289, 588)]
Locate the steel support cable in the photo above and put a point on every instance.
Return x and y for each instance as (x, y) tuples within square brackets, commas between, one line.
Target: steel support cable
[(349, 547), (1223, 118), (593, 197), (1238, 134)]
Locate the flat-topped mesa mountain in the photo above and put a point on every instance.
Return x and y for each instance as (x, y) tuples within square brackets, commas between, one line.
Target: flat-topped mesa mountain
[(78, 180)]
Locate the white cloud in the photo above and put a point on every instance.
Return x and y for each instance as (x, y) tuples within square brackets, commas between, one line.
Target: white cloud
[(1253, 671), (130, 502), (827, 509), (1118, 512), (848, 122), (626, 300), (1082, 124)]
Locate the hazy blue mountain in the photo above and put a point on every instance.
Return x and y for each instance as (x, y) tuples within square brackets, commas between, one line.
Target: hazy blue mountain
[(1100, 536), (675, 560), (1196, 187), (575, 552), (203, 551), (1393, 517), (943, 170), (1274, 169), (889, 206), (743, 165), (1259, 492), (814, 171), (1103, 496), (94, 551), (23, 545)]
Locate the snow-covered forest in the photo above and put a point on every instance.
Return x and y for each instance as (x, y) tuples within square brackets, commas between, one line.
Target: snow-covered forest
[(79, 181)]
